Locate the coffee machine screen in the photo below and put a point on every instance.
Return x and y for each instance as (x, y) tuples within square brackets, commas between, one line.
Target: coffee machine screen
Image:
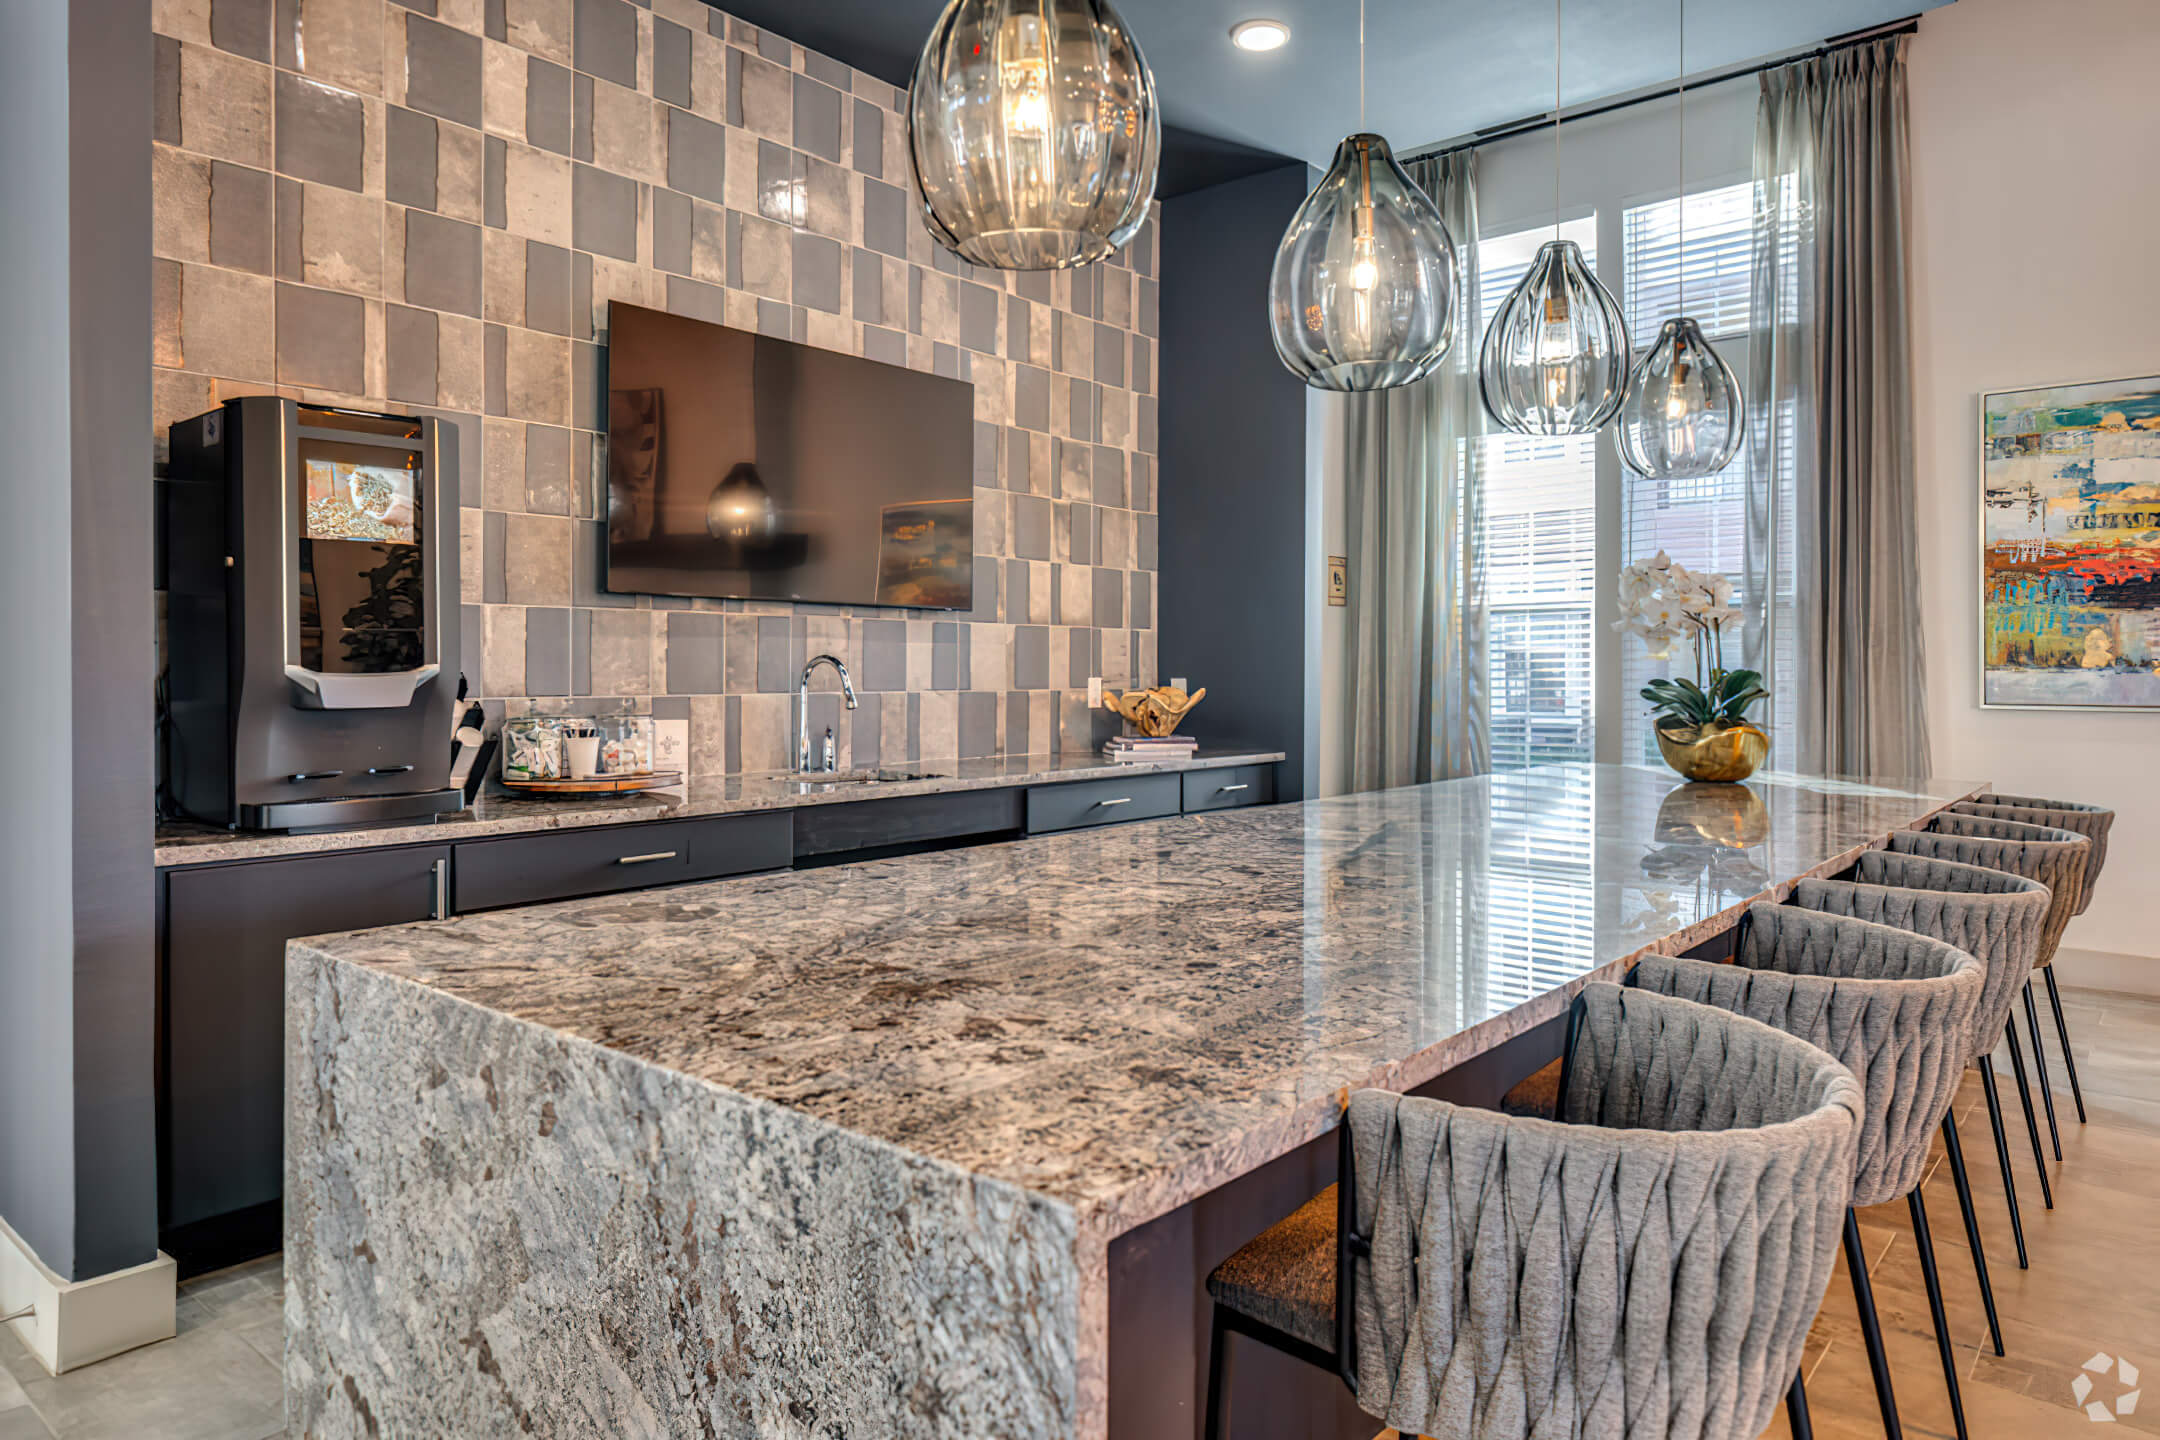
[(362, 597)]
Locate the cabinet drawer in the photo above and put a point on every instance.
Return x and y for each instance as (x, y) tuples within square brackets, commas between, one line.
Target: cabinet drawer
[(1100, 802), (904, 820), (528, 869), (1229, 788)]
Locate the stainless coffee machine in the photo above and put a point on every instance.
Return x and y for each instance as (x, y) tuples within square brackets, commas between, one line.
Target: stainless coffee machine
[(309, 557)]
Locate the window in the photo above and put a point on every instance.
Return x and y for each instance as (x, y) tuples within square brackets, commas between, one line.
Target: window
[(1702, 523), (1540, 582)]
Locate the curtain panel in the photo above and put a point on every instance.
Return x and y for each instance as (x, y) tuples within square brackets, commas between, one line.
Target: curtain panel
[(1833, 569), (1415, 667)]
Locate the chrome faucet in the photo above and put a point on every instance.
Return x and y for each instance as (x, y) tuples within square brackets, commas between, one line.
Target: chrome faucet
[(828, 761)]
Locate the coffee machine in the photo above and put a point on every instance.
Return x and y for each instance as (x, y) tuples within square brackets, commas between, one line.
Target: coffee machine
[(309, 556)]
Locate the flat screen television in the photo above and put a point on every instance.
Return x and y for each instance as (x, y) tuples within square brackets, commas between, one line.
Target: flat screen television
[(744, 467)]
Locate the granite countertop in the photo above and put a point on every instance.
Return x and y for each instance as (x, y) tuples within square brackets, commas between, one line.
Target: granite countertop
[(504, 813), (1120, 1019)]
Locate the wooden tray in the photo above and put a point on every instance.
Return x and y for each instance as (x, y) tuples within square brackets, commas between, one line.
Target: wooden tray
[(599, 784)]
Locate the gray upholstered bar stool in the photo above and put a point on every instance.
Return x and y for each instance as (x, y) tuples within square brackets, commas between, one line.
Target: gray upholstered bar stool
[(2058, 859), (1896, 1008), (2093, 822), (1991, 915), (1482, 1276)]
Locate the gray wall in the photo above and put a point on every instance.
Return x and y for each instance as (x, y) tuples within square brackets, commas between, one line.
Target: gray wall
[(77, 1142), (1238, 533)]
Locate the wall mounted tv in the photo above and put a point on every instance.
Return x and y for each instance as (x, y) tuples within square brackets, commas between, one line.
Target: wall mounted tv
[(750, 468)]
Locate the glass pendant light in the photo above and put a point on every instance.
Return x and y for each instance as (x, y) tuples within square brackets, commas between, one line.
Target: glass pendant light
[(1684, 416), (1555, 359), (1033, 132), (1362, 296)]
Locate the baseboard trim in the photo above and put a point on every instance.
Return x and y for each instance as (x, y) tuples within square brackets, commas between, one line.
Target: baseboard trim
[(73, 1323), (2108, 970)]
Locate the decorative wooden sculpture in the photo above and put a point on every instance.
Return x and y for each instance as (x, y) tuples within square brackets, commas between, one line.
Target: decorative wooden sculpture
[(1153, 712)]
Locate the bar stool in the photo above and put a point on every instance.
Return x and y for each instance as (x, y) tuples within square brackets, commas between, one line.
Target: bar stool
[(1991, 915), (2093, 822), (1896, 1008), (2068, 891), (1651, 1270)]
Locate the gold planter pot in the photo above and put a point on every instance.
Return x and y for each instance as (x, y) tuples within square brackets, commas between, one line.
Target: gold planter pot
[(1715, 755)]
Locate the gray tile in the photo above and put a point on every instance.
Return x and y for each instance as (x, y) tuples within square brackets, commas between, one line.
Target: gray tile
[(697, 157), (884, 655), (1081, 519), (1031, 657), (409, 166), (22, 1423), (1109, 488), (1031, 398), (581, 103), (1145, 417), (321, 339), (671, 62), (547, 288), (1019, 323), (1035, 286), (241, 228), (549, 109), (1142, 608), (442, 263), (869, 139), (671, 231), (495, 181), (621, 659), (321, 133), (986, 461), (1143, 355), (1086, 417), (827, 69), (494, 557), (410, 340), (1086, 291), (780, 183), (1110, 598), (697, 300), (864, 738), (978, 725), (817, 118), (581, 640), (979, 318), (606, 40), (944, 656), (1144, 541), (588, 567), (547, 651), (885, 218), (241, 27), (442, 70), (603, 211), (817, 272), (1109, 355), (1150, 307), (165, 91), (869, 287), (775, 48), (549, 487), (1086, 652), (1030, 529), (207, 1385), (888, 347), (777, 667), (588, 386)]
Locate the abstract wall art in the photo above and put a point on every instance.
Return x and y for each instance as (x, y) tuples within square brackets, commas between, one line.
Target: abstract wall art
[(2070, 546)]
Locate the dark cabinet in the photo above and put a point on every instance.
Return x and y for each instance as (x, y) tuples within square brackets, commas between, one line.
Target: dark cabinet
[(529, 869), (1076, 805), (1230, 788), (223, 1150)]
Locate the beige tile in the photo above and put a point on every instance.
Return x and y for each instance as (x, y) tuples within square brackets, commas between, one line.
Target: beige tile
[(460, 363), (765, 733), (460, 178), (768, 100), (708, 243), (940, 724), (622, 647), (187, 20), (767, 258), (341, 240), (225, 106), (502, 278), (226, 323), (542, 26), (179, 205), (708, 735), (177, 395), (502, 90), (339, 42), (626, 136), (165, 346), (536, 194), (537, 378), (503, 481), (502, 671)]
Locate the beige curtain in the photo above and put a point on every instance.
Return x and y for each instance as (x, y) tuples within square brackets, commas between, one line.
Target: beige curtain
[(1831, 409), (1415, 671)]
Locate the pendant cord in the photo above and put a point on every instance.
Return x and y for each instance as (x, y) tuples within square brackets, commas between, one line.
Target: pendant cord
[(1555, 118), (1361, 66), (1680, 236)]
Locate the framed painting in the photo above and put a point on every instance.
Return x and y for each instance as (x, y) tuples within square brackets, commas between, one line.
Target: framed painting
[(2070, 546)]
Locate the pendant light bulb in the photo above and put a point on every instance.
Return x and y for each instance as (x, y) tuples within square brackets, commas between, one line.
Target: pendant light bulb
[(1685, 416), (1033, 132), (1362, 295)]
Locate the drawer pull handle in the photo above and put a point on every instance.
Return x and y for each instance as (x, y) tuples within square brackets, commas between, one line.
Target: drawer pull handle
[(1127, 800), (1231, 789), (306, 775), (388, 769), (646, 859), (441, 874)]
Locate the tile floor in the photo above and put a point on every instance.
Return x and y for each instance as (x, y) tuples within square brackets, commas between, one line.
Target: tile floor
[(2094, 1288)]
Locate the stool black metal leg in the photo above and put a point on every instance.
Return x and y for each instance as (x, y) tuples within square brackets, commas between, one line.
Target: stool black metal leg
[(1870, 1327), (2047, 1091), (1796, 1416), (2002, 1154), (2063, 1029), (1215, 1366), (2032, 1121), (1935, 1307), (1956, 1153)]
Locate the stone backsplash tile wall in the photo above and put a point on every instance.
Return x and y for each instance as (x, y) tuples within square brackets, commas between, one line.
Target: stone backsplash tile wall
[(427, 206)]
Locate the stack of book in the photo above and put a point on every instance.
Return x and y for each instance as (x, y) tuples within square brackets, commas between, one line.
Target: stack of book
[(1137, 748)]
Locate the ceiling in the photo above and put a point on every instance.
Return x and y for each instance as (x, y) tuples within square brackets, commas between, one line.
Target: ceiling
[(1437, 68)]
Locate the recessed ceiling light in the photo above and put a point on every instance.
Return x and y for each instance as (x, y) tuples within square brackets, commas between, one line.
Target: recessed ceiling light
[(1260, 35)]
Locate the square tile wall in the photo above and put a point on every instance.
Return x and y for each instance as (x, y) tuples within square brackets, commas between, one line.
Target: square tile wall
[(426, 205)]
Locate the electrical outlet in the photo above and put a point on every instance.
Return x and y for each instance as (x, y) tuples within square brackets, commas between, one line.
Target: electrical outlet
[(1177, 682), (1338, 580), (1095, 692)]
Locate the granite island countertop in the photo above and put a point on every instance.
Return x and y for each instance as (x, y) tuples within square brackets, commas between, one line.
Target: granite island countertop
[(1095, 1026), (503, 812)]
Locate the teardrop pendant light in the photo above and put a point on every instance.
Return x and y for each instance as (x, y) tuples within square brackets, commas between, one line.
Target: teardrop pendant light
[(1033, 132), (1362, 296), (1556, 357), (1685, 415)]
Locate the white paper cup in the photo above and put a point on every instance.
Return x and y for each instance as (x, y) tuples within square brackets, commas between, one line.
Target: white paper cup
[(582, 752)]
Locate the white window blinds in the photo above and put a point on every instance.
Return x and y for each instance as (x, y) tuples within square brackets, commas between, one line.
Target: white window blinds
[(1539, 554)]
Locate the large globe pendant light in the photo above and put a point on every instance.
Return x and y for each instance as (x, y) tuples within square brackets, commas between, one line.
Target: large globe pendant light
[(1362, 296), (1556, 357), (1033, 132), (1685, 415)]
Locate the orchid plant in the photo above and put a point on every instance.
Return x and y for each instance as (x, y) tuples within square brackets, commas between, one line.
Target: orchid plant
[(1664, 603)]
